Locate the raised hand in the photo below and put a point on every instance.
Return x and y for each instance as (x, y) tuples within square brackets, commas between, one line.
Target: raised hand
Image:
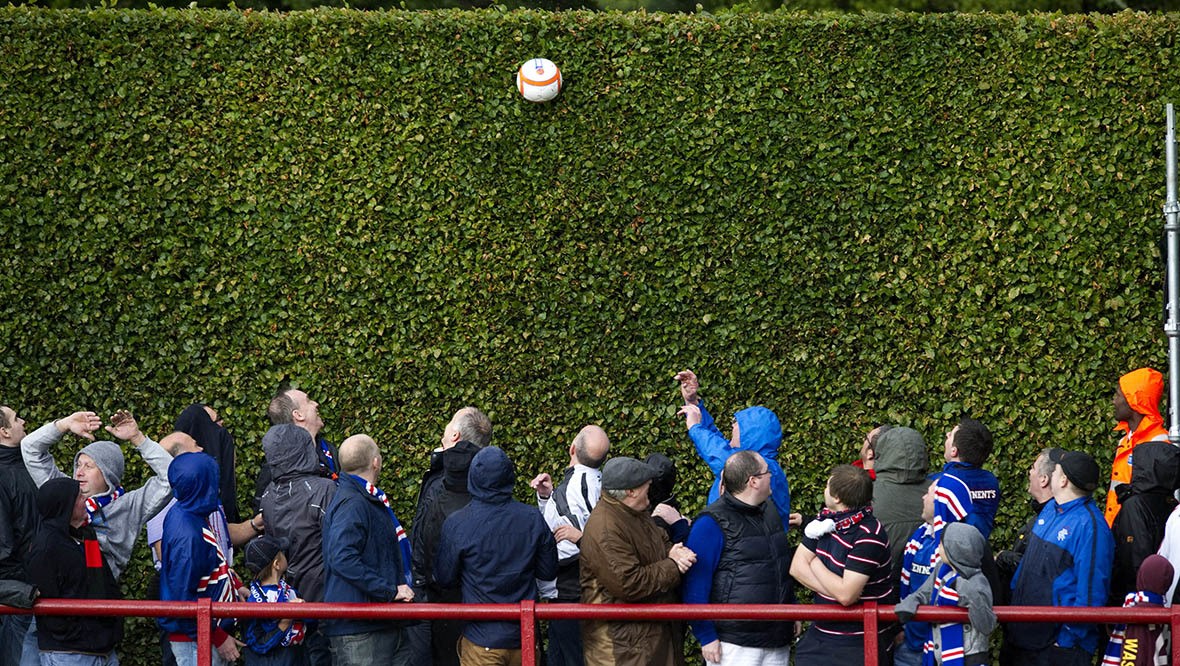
[(82, 424), (543, 484), (124, 426), (689, 387)]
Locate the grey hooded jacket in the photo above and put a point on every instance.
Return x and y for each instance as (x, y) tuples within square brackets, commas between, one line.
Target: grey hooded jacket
[(294, 503), (964, 547), (123, 519), (901, 465)]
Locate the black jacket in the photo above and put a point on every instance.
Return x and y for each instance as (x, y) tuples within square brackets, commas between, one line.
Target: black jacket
[(754, 569), (217, 442), (1146, 503), (18, 513), (445, 495), (57, 564), (295, 503)]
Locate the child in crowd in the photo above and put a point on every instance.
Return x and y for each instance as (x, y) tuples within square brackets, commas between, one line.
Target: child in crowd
[(1144, 644), (270, 641), (957, 581)]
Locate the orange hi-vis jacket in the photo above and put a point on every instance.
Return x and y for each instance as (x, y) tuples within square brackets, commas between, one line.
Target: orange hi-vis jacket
[(1143, 389)]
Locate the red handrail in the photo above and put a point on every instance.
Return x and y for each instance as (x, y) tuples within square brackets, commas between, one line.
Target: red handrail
[(529, 612)]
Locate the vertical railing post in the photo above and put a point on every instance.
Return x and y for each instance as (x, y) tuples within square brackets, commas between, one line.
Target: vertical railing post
[(528, 633), (204, 632), (1175, 629), (871, 647)]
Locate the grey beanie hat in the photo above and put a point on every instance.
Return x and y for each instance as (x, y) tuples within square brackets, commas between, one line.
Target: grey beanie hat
[(109, 458)]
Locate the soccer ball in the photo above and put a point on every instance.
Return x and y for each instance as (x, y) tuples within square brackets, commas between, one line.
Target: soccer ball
[(538, 80)]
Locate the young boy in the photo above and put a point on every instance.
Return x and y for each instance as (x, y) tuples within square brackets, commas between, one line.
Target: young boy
[(271, 642), (957, 581), (1144, 644)]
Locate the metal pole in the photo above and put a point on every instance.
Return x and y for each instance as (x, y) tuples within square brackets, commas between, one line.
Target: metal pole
[(1172, 325)]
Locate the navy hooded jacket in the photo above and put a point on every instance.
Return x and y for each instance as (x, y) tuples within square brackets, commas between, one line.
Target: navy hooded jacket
[(495, 548), (190, 567), (362, 560)]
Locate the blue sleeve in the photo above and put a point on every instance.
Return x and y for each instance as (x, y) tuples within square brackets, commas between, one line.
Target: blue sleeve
[(780, 492), (706, 540), (711, 445), (1093, 558), (344, 545), (545, 565)]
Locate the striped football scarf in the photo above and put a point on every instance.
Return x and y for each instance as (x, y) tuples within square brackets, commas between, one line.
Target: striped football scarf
[(1114, 648), (403, 541), (944, 594), (94, 505)]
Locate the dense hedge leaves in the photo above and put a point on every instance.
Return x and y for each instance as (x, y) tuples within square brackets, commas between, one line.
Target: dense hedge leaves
[(850, 219)]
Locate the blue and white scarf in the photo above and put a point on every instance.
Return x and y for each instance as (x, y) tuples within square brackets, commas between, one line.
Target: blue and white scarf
[(1114, 648), (94, 505), (944, 594), (403, 541)]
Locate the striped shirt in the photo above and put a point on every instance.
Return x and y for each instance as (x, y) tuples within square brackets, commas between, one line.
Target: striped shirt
[(862, 548)]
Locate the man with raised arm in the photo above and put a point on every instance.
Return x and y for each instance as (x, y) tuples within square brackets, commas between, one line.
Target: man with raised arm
[(754, 429), (117, 515)]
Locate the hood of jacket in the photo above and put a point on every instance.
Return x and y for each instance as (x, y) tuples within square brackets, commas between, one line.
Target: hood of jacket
[(108, 457), (194, 483), (663, 486), (55, 502), (901, 456), (759, 431), (1155, 467), (290, 452), (456, 464), (491, 477), (1155, 575), (1143, 389), (963, 546)]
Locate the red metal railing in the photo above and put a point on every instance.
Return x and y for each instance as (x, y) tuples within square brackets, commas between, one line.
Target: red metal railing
[(528, 613)]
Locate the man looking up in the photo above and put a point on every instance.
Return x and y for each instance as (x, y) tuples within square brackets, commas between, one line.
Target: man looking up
[(966, 448), (566, 509), (754, 429), (294, 407), (1067, 563), (18, 522), (742, 558), (844, 559), (443, 492), (1039, 493), (1137, 409)]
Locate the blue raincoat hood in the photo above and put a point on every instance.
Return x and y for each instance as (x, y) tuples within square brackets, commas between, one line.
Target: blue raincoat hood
[(491, 477), (194, 480), (759, 431)]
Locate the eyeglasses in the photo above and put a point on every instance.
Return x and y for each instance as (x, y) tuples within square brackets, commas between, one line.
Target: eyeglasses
[(760, 474)]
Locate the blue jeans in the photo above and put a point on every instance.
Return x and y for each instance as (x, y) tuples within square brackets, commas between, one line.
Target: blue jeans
[(75, 659), (18, 641), (565, 643), (186, 654), (904, 655), (386, 647)]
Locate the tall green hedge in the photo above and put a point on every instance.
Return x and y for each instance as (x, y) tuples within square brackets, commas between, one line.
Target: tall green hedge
[(849, 219)]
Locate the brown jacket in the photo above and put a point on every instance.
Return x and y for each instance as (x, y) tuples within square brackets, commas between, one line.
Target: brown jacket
[(624, 560)]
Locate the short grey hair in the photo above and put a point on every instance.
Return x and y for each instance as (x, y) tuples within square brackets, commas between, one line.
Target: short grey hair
[(474, 426), (280, 408), (616, 493), (1046, 466)]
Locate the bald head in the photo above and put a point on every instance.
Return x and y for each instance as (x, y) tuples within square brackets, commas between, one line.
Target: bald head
[(357, 455), (179, 442), (591, 446)]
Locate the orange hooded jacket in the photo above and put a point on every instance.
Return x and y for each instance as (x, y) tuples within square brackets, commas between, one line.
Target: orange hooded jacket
[(1143, 389)]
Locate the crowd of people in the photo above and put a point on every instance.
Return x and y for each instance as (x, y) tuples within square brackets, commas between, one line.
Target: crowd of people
[(607, 531)]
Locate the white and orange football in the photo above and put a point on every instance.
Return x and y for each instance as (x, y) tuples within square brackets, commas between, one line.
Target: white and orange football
[(538, 80)]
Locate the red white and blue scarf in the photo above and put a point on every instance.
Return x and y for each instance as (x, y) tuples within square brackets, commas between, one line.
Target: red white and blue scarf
[(1114, 648), (95, 505), (403, 541), (221, 575), (944, 594), (283, 593)]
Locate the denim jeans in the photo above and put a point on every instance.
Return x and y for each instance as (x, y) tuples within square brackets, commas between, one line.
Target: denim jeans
[(74, 659), (18, 641), (565, 643), (388, 647), (186, 654), (904, 655)]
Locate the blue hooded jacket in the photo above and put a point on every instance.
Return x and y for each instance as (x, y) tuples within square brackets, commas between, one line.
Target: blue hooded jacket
[(495, 548), (186, 558), (758, 431)]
